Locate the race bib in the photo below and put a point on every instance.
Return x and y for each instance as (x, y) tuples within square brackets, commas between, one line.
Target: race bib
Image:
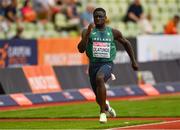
[(101, 49)]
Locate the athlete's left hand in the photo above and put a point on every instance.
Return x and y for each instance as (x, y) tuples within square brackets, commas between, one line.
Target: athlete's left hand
[(135, 66)]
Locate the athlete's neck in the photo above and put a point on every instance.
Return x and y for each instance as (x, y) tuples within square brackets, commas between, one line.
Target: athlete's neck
[(100, 28)]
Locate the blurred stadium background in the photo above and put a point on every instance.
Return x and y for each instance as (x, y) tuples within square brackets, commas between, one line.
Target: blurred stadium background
[(40, 63), (58, 25), (41, 66)]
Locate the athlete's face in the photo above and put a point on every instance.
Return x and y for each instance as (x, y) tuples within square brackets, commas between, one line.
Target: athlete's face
[(99, 18)]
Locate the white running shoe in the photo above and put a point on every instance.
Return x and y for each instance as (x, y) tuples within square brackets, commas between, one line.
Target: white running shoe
[(103, 118), (110, 112)]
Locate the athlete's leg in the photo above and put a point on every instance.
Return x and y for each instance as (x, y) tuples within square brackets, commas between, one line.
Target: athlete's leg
[(93, 69), (103, 74), (92, 76), (101, 92)]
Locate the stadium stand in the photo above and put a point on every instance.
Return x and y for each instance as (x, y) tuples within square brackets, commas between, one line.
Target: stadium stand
[(161, 11)]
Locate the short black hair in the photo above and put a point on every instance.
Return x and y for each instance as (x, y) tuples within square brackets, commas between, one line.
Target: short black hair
[(99, 9)]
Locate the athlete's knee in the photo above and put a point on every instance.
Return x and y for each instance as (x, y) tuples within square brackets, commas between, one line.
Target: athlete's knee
[(100, 78)]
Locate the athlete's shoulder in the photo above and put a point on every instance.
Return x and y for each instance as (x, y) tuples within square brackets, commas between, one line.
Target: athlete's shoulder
[(116, 32), (111, 28)]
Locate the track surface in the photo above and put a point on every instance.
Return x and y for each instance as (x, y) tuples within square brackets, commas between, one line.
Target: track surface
[(90, 119), (166, 123)]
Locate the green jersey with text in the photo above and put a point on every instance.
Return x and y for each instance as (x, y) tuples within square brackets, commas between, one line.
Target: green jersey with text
[(101, 46)]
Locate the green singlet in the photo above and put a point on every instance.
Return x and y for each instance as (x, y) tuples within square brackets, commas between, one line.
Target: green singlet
[(101, 46)]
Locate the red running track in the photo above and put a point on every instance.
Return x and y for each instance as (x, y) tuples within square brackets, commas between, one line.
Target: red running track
[(166, 125)]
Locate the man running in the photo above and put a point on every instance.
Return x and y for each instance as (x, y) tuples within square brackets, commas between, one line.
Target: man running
[(99, 43)]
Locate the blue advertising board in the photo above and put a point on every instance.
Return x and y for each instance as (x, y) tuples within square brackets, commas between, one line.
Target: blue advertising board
[(169, 87), (18, 52), (6, 100), (65, 96)]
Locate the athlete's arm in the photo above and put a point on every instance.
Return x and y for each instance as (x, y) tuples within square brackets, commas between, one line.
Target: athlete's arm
[(127, 45), (84, 38)]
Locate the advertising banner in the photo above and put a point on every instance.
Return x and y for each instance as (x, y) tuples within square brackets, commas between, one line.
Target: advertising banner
[(6, 100), (64, 96), (72, 77), (87, 93), (12, 80), (160, 47), (17, 53), (60, 51), (168, 87), (41, 79), (21, 99), (149, 89)]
